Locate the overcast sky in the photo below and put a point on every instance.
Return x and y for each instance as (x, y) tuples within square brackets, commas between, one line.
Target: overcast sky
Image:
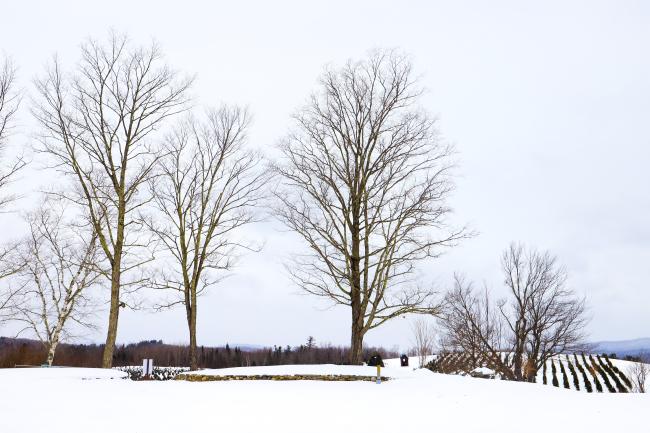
[(548, 104)]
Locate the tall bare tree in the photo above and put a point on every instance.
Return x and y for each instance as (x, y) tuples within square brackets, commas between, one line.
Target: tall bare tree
[(97, 128), (9, 104), (208, 186), (364, 183), (59, 268), (10, 295)]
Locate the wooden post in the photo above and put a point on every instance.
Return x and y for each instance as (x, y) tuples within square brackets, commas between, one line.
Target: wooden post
[(378, 374)]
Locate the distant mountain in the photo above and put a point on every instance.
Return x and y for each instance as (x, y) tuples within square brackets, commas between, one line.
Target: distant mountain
[(623, 347)]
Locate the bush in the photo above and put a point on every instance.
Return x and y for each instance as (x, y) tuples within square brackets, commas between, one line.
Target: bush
[(159, 373), (554, 372), (544, 375)]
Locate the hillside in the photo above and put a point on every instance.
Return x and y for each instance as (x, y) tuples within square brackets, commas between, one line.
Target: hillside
[(636, 347)]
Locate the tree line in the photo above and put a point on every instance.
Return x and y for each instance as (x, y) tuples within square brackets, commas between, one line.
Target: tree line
[(21, 351), (153, 193)]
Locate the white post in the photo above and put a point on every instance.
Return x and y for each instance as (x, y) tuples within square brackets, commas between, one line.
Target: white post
[(147, 367)]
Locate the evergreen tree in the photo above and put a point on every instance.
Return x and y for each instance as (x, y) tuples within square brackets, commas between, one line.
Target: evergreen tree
[(602, 374), (554, 372), (576, 382), (565, 378)]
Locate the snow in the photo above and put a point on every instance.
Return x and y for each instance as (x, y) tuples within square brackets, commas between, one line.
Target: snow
[(58, 373), (58, 400)]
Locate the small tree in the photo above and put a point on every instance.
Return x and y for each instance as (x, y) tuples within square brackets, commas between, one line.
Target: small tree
[(639, 372), (554, 371), (565, 377), (59, 267), (602, 374), (585, 378), (576, 382), (474, 326), (423, 339), (544, 315)]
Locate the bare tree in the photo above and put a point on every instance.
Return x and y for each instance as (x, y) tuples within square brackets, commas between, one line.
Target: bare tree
[(209, 186), (59, 267), (364, 183), (473, 325), (9, 104), (544, 316), (97, 128), (424, 336), (639, 372), (10, 295), (540, 318)]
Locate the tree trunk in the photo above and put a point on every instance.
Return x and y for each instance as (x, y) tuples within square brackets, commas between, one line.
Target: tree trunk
[(113, 315), (114, 312), (54, 341), (356, 342), (356, 346), (192, 326), (50, 352)]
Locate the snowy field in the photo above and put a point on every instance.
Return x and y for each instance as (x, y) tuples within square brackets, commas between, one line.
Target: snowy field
[(74, 400)]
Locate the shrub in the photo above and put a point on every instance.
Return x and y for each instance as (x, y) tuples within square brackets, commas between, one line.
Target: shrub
[(159, 373), (544, 374), (554, 372)]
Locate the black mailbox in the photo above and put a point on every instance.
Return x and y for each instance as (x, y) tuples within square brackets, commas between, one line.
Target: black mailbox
[(375, 360), (404, 360)]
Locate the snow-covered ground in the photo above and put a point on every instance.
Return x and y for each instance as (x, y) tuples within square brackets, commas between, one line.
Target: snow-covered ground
[(12, 375), (58, 400)]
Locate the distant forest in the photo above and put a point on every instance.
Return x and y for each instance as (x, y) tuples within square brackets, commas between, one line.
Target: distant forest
[(23, 352)]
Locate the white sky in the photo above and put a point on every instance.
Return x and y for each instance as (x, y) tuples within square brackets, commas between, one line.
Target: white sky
[(547, 102)]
